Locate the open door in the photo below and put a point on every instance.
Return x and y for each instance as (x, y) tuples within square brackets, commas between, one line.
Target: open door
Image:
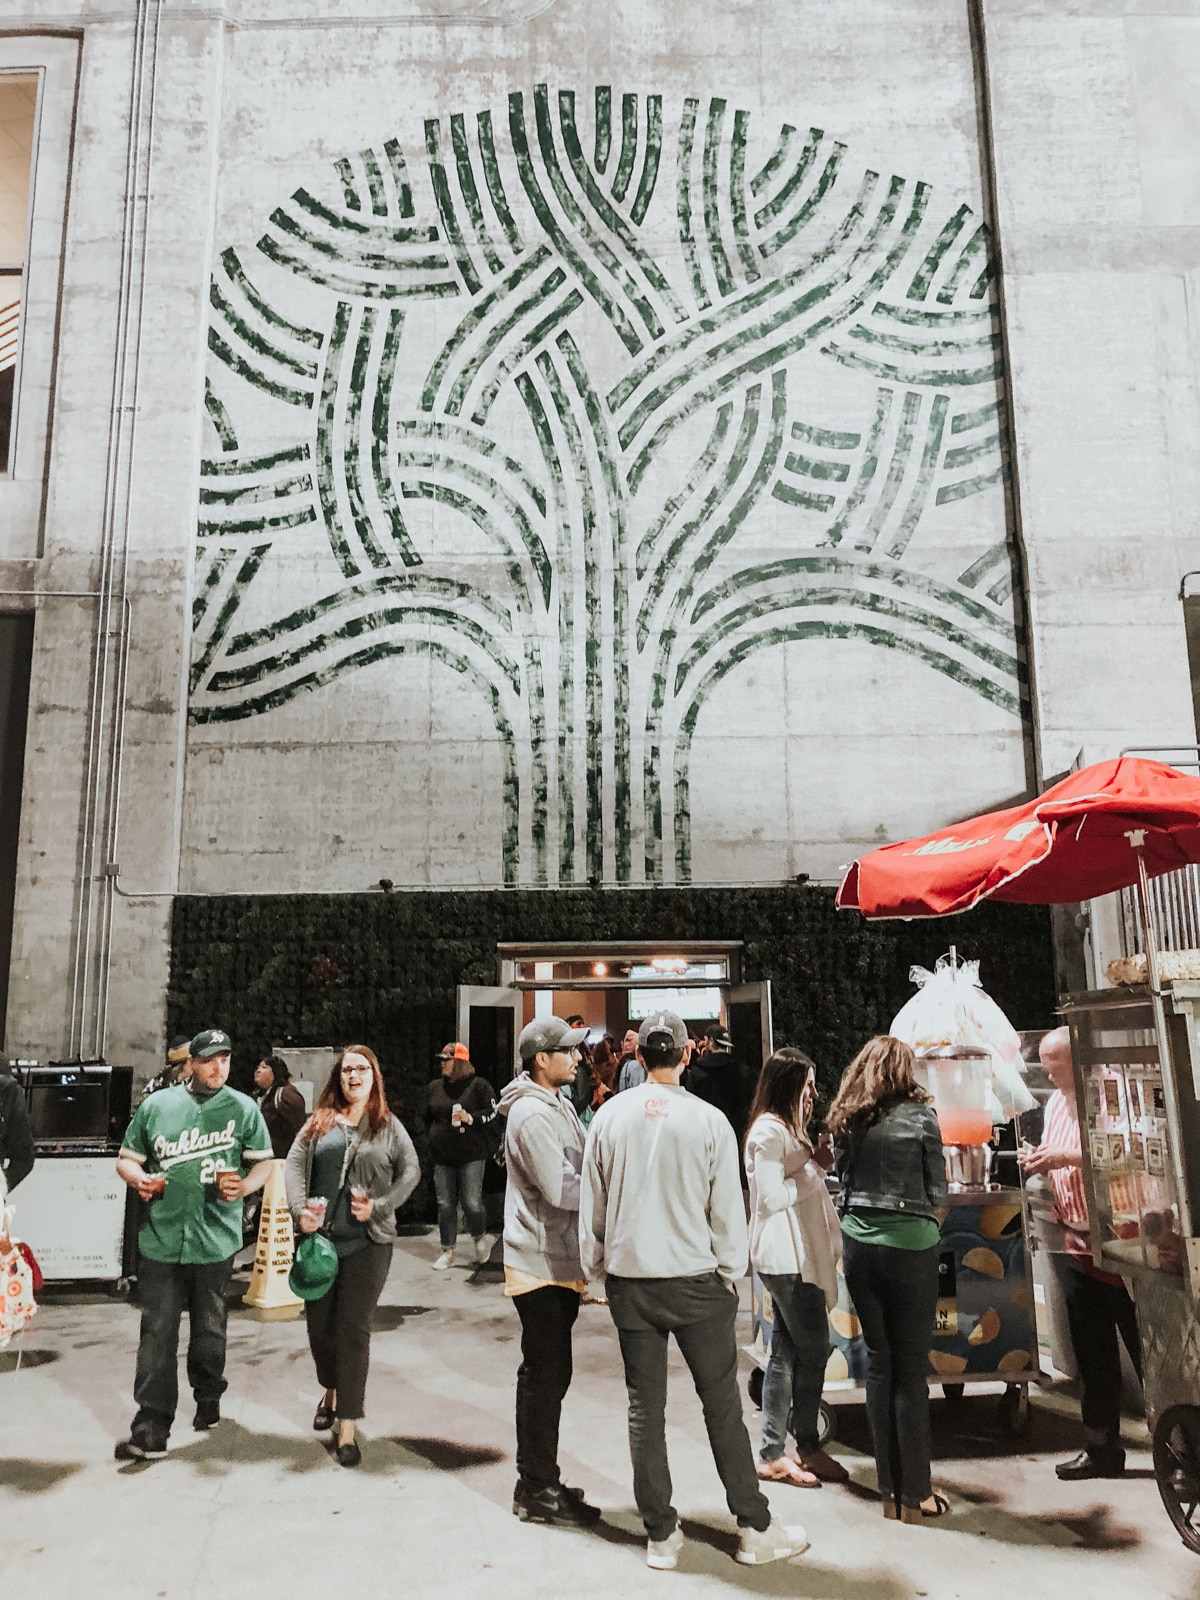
[(749, 1021), (489, 1024)]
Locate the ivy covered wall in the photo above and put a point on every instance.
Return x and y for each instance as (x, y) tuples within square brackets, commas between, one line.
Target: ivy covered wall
[(383, 969)]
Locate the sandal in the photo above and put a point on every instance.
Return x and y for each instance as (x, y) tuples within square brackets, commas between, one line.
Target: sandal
[(784, 1470), (917, 1514)]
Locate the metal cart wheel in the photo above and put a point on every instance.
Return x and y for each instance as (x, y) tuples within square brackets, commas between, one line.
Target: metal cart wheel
[(1013, 1411), (826, 1421), (1177, 1470), (952, 1393), (826, 1425)]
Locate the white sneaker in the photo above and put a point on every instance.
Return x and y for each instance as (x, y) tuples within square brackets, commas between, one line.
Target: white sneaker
[(483, 1249), (446, 1259), (776, 1543), (663, 1554)]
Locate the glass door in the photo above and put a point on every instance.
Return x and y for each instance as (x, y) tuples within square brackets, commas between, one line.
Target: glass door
[(748, 1018), (489, 1024)]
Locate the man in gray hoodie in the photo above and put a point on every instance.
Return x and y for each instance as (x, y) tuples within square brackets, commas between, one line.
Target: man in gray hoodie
[(543, 1151), (663, 1228)]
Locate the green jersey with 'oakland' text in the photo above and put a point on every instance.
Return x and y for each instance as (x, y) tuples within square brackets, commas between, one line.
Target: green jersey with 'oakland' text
[(191, 1140)]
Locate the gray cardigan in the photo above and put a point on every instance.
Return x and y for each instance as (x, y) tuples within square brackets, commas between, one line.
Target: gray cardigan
[(386, 1166)]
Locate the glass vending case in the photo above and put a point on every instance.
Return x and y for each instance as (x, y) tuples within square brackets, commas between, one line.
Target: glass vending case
[(1139, 1124)]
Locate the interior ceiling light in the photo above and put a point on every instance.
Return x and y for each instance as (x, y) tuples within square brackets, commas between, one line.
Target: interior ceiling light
[(599, 970), (669, 964)]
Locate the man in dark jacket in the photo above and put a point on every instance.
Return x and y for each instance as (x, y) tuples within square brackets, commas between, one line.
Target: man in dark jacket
[(719, 1077), (16, 1136)]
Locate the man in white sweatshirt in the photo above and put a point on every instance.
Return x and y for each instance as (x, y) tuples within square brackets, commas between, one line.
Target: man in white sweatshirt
[(662, 1228), (543, 1151)]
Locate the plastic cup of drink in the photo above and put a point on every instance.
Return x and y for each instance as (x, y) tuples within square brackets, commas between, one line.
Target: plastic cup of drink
[(158, 1183), (317, 1204), (223, 1175)]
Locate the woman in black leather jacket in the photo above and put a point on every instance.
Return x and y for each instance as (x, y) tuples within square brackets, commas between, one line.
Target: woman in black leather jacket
[(888, 1155)]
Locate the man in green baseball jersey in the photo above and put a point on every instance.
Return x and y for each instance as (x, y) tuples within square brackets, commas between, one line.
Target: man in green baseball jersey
[(186, 1153)]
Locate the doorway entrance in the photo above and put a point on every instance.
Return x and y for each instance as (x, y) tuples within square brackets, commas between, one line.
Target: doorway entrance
[(612, 987)]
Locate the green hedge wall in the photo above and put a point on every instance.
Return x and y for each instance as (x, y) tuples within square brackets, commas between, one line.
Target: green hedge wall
[(382, 969)]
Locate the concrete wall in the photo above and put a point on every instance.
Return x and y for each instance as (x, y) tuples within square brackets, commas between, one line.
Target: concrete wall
[(603, 481)]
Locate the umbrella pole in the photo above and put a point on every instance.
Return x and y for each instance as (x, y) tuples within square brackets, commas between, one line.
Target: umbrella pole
[(1148, 932)]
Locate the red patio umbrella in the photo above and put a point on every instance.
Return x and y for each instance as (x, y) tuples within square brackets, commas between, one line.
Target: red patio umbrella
[(1096, 831)]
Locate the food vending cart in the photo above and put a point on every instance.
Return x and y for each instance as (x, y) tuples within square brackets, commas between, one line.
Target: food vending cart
[(985, 1332), (1136, 1047), (1136, 1052)]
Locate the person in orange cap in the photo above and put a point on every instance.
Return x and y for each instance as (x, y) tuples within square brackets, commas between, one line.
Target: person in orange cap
[(457, 1114)]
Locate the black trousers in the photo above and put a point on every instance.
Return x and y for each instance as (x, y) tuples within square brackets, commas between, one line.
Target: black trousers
[(543, 1378), (166, 1289), (895, 1299), (339, 1326), (1096, 1313), (701, 1312)]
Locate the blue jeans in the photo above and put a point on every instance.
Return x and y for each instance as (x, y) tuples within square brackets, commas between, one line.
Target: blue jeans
[(895, 1299), (165, 1290), (460, 1186), (796, 1367)]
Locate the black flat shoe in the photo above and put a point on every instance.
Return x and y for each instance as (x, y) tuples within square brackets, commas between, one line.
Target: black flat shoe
[(208, 1414), (1092, 1464), (349, 1455), (324, 1418)]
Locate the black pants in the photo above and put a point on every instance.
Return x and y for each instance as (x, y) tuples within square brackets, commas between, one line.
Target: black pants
[(895, 1299), (543, 1378), (339, 1326), (166, 1289), (1096, 1313), (701, 1312)]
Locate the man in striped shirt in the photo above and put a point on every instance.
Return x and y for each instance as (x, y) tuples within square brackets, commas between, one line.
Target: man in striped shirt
[(1098, 1304)]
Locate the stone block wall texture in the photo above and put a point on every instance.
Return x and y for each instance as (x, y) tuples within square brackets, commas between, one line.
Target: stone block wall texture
[(571, 443)]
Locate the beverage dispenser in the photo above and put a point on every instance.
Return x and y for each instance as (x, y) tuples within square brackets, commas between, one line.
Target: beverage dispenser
[(959, 1078)]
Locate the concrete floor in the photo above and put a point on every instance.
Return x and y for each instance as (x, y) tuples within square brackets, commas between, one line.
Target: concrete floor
[(258, 1507)]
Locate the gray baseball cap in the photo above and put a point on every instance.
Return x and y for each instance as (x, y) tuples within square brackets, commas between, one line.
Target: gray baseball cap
[(212, 1042), (663, 1031), (548, 1033)]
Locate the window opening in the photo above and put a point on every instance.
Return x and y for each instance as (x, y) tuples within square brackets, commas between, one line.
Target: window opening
[(18, 111)]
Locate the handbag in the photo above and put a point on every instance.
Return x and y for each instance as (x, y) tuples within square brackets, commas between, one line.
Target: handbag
[(315, 1261)]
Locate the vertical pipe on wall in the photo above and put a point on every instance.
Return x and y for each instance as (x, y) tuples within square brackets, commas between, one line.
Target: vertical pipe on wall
[(977, 26), (93, 917)]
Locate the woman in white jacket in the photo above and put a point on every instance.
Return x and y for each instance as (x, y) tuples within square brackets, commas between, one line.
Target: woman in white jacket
[(795, 1247)]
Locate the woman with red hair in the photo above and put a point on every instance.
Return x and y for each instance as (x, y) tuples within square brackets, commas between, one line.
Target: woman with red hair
[(350, 1169)]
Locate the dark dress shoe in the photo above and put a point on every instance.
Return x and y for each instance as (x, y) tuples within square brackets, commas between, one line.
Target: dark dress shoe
[(349, 1455), (1092, 1464), (208, 1414), (325, 1418), (557, 1506)]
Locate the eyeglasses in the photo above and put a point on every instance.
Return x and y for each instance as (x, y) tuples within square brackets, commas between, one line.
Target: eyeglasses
[(356, 1072)]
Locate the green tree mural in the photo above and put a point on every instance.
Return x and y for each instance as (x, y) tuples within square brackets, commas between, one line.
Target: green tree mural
[(648, 297)]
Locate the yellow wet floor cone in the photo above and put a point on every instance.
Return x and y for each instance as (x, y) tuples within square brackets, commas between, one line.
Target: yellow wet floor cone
[(269, 1293)]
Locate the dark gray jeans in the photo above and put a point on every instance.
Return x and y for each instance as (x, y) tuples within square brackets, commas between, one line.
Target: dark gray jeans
[(796, 1366), (701, 1313), (165, 1290), (455, 1186)]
